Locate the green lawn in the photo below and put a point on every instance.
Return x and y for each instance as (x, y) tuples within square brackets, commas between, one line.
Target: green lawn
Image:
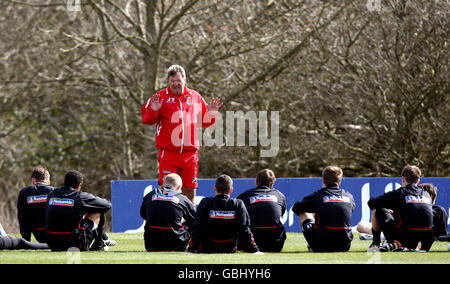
[(130, 249)]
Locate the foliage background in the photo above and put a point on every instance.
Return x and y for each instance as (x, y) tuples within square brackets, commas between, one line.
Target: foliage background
[(365, 89)]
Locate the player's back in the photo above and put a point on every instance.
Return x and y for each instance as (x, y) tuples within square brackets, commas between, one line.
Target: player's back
[(31, 208), (220, 221), (265, 206)]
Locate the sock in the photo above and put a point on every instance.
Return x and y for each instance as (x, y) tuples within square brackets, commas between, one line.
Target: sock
[(376, 237), (308, 224)]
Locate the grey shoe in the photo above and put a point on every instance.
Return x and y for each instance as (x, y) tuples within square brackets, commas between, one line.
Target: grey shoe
[(110, 242), (365, 237)]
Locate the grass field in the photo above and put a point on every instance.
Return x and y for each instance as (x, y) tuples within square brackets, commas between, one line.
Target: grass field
[(130, 250)]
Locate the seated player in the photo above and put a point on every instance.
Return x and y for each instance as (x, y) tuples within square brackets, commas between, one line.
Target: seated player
[(31, 205), (439, 218), (168, 217), (221, 221), (325, 215), (439, 214), (15, 243), (266, 205), (404, 215), (75, 218)]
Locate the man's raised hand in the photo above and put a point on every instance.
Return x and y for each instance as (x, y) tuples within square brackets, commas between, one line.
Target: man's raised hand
[(156, 102), (214, 106)]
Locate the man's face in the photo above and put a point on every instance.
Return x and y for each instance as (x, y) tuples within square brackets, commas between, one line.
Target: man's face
[(176, 84)]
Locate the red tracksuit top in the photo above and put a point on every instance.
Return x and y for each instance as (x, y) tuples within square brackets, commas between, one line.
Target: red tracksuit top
[(178, 119)]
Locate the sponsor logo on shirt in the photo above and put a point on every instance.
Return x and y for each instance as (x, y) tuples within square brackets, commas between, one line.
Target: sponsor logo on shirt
[(36, 199), (170, 198), (61, 202), (417, 199), (335, 198), (264, 197), (221, 214)]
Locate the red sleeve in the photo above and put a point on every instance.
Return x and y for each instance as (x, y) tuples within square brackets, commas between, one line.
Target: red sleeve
[(207, 118), (148, 115)]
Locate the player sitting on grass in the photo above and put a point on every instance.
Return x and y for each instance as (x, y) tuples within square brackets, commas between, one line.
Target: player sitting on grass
[(404, 215), (439, 214), (220, 221), (31, 205), (14, 243), (75, 218), (439, 219), (168, 216), (325, 215), (266, 205)]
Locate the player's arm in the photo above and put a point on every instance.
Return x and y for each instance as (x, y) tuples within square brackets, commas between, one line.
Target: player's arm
[(245, 234), (439, 221), (306, 205), (352, 200), (199, 226), (189, 214), (94, 204), (387, 200), (143, 210), (25, 230)]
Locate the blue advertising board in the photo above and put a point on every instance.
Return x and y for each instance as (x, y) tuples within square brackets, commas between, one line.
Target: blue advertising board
[(127, 196)]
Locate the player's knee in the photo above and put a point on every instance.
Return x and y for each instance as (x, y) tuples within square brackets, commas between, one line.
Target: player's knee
[(94, 217), (308, 224), (364, 227)]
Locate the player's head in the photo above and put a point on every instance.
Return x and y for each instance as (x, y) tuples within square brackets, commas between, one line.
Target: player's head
[(177, 79), (410, 174), (174, 181), (265, 177), (332, 175), (73, 179), (40, 175), (431, 189), (224, 185)]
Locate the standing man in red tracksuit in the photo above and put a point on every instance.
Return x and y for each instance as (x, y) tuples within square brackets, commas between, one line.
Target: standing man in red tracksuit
[(178, 111)]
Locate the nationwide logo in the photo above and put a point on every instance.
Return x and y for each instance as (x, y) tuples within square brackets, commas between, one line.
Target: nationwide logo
[(222, 214), (417, 199), (170, 198), (61, 202), (264, 197), (36, 199), (335, 198)]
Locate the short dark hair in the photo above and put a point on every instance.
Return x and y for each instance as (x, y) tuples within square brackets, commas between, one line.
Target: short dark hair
[(40, 174), (332, 175), (431, 189), (265, 177), (411, 174), (224, 183), (73, 179)]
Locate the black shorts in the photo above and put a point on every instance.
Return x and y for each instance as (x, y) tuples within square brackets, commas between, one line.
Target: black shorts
[(80, 239), (39, 235), (321, 239), (408, 238), (269, 239), (165, 240)]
